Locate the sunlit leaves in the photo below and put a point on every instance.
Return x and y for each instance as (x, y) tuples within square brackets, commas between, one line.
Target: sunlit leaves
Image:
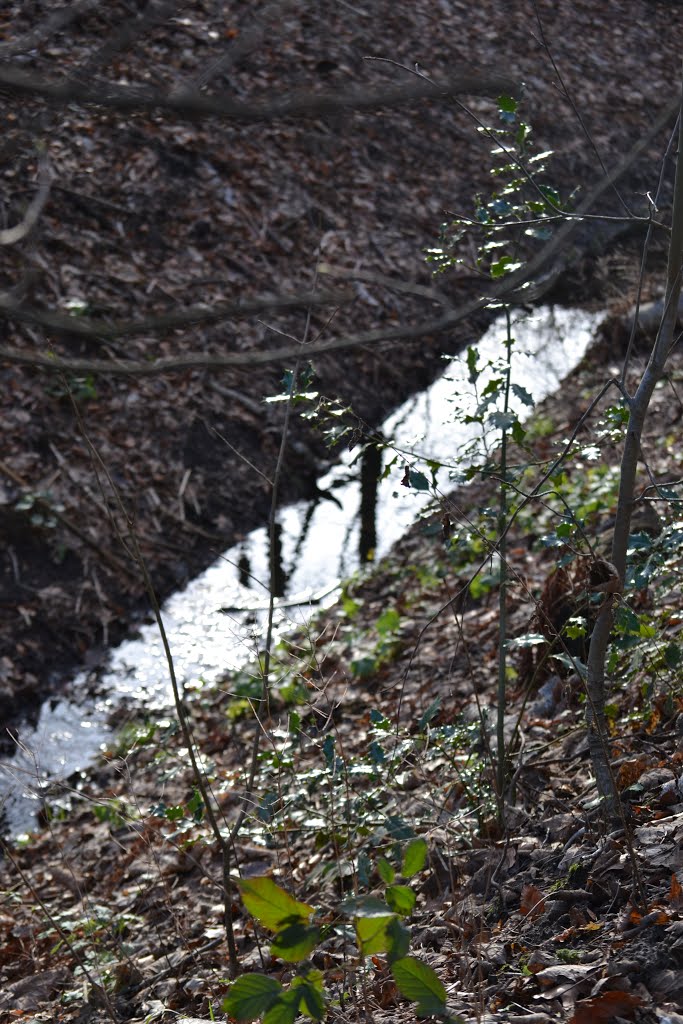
[(295, 941), (270, 905), (401, 899), (414, 857)]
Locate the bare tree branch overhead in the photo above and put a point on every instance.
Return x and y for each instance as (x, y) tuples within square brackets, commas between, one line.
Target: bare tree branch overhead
[(187, 103), (85, 327), (538, 273)]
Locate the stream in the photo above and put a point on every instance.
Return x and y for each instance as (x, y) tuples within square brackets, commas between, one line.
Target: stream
[(216, 623)]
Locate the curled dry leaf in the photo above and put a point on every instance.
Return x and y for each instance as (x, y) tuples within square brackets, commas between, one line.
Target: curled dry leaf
[(605, 1007)]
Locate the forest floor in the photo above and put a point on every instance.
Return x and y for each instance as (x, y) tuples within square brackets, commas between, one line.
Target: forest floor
[(379, 730), (150, 214), (379, 722)]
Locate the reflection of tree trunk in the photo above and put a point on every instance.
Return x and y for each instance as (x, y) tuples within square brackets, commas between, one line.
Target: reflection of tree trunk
[(244, 569), (370, 472), (278, 582)]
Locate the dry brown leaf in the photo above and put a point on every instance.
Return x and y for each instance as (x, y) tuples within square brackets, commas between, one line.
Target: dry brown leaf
[(532, 902), (605, 1007)]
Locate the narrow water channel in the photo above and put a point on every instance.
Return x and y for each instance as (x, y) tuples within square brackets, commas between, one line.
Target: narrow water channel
[(216, 622)]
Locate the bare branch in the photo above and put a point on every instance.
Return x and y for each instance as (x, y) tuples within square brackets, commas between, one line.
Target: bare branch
[(10, 236), (515, 287), (188, 103), (85, 327), (407, 287), (262, 357)]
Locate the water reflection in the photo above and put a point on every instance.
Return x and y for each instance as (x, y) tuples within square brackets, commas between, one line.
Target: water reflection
[(216, 623)]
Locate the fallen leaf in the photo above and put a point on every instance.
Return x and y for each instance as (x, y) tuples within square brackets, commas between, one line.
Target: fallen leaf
[(532, 903), (604, 1007)]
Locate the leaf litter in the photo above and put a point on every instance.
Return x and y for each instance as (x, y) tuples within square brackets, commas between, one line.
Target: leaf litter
[(118, 903)]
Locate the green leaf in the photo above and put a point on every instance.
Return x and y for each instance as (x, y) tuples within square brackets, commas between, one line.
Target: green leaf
[(362, 668), (523, 395), (285, 1010), (494, 387), (379, 721), (430, 713), (418, 480), (376, 752), (401, 899), (364, 906), (507, 103), (672, 655), (472, 357), (528, 640), (398, 940), (505, 265), (309, 987), (371, 934), (627, 621), (414, 857), (502, 420), (398, 828), (295, 942), (419, 983), (388, 622), (385, 871), (270, 905), (251, 996), (575, 627), (518, 432), (364, 868)]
